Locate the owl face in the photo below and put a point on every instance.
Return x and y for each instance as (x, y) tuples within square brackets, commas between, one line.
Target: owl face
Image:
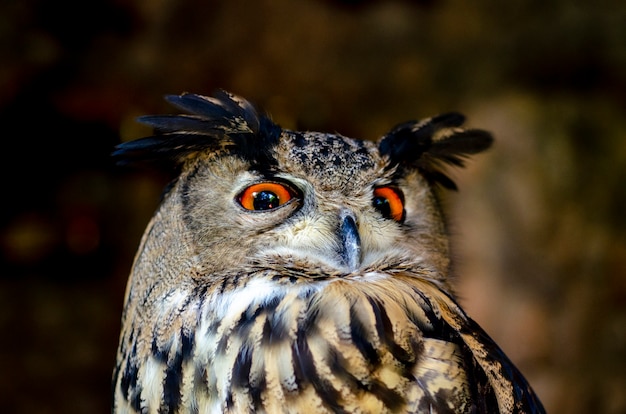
[(251, 194), (325, 201)]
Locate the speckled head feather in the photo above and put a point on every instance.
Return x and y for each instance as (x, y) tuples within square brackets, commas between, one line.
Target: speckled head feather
[(302, 272)]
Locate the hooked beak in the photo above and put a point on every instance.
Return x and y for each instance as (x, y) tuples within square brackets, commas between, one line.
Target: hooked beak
[(350, 248)]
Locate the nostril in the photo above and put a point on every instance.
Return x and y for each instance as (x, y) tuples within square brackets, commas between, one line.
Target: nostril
[(350, 242)]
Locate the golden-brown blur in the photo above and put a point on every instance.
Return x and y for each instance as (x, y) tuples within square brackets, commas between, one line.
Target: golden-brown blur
[(539, 222)]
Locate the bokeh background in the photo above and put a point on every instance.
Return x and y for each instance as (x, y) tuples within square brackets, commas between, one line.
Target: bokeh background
[(538, 224)]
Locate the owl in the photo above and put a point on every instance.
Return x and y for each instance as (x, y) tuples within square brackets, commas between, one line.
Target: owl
[(302, 272)]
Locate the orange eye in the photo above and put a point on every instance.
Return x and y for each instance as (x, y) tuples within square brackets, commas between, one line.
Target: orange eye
[(389, 202), (265, 196)]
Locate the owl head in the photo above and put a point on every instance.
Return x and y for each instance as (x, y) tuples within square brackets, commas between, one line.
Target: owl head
[(250, 195)]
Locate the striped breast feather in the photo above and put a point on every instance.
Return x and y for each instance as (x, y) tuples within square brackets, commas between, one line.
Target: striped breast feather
[(390, 344), (394, 344), (505, 382)]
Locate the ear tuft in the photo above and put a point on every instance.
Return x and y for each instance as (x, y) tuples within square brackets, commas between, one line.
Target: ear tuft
[(220, 121), (429, 144)]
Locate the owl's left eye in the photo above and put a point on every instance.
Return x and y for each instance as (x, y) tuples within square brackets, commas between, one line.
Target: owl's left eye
[(390, 202), (265, 196)]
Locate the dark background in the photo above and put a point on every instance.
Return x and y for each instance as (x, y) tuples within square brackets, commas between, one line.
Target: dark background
[(539, 223)]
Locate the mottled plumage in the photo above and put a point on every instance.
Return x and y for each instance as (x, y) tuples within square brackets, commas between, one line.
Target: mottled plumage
[(300, 272)]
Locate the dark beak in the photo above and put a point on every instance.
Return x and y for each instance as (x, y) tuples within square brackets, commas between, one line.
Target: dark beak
[(350, 250)]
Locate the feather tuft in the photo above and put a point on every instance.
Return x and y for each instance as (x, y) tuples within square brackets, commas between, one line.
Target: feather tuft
[(212, 122), (431, 144)]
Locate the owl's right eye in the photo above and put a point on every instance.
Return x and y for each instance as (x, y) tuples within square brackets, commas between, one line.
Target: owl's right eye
[(265, 196)]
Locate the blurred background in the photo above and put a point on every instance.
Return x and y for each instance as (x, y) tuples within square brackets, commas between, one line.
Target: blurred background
[(538, 224)]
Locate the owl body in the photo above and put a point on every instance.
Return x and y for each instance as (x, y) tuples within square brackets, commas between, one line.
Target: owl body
[(300, 272)]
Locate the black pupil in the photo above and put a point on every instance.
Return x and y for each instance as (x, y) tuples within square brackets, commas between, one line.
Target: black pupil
[(382, 204), (265, 200)]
